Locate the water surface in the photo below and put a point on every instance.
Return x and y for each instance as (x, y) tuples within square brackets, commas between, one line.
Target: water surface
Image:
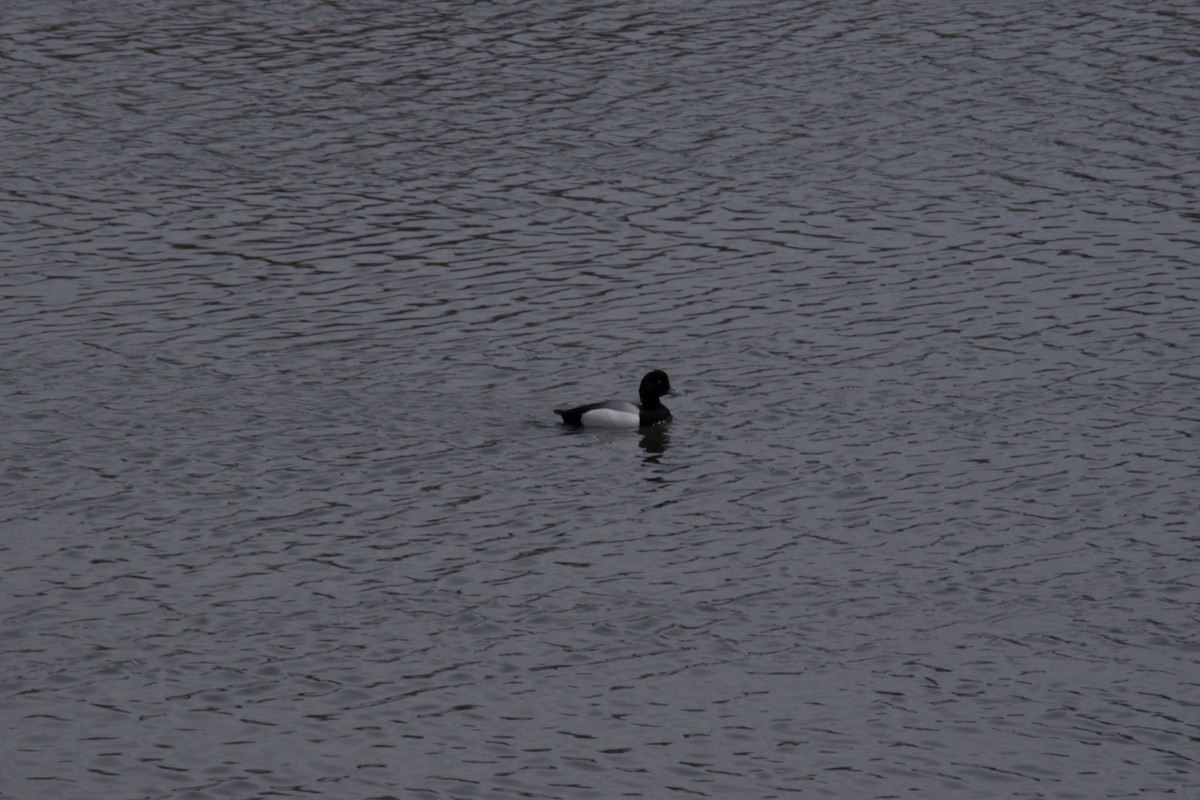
[(291, 289)]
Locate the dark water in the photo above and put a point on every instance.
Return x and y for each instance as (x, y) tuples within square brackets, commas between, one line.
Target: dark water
[(290, 289)]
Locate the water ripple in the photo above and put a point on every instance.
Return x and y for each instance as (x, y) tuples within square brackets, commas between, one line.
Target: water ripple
[(293, 287)]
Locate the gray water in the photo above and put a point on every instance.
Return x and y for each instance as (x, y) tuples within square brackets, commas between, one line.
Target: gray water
[(290, 289)]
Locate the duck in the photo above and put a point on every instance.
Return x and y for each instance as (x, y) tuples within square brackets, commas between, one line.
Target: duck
[(622, 413)]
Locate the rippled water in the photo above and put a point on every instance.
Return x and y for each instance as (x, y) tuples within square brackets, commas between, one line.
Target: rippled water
[(290, 291)]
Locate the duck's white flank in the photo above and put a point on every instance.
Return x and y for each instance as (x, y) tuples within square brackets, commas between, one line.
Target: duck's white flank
[(611, 418)]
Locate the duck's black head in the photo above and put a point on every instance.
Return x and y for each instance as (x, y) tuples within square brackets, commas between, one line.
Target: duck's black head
[(654, 385)]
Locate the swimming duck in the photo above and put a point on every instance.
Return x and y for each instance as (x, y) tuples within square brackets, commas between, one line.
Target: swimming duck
[(622, 413)]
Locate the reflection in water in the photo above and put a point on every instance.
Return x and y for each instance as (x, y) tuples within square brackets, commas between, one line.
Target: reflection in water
[(655, 441)]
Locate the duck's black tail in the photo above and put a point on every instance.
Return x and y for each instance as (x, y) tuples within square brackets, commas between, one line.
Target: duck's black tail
[(571, 416)]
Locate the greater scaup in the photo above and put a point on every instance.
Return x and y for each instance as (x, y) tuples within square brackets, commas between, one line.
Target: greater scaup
[(622, 413)]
